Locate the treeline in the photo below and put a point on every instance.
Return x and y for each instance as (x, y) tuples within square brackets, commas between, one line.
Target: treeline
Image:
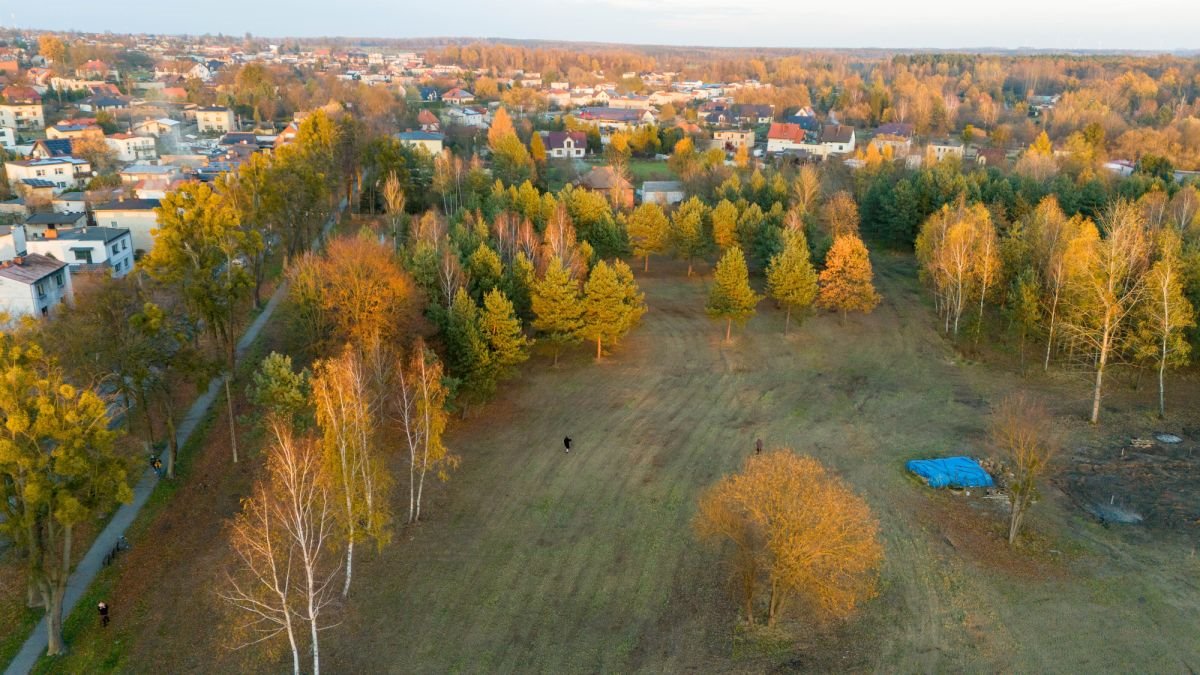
[(129, 345), (1095, 292)]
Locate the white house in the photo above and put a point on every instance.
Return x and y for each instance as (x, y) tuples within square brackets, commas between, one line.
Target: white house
[(942, 149), (563, 144), (431, 141), (87, 249), (38, 223), (467, 116), (662, 192), (159, 128), (21, 109), (215, 120), (32, 285), (63, 172), (138, 216), (458, 96), (130, 148)]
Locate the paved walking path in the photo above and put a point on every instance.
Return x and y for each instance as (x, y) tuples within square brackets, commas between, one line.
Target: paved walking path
[(93, 560)]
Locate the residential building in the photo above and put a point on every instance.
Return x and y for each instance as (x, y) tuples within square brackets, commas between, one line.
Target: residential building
[(39, 223), (614, 119), (21, 109), (895, 135), (61, 172), (564, 144), (33, 284), (788, 136), (87, 249), (130, 148), (8, 138), (162, 127), (468, 116), (614, 187), (429, 140), (733, 139), (46, 148), (662, 192), (941, 149), (74, 128), (458, 96), (215, 120), (428, 121), (837, 139), (136, 215), (136, 173)]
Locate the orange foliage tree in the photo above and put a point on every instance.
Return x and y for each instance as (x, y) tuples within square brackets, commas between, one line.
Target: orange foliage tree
[(846, 281), (797, 532)]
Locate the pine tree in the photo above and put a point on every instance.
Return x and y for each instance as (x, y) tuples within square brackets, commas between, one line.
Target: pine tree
[(724, 224), (846, 281), (557, 307), (648, 231), (499, 325), (731, 297), (612, 304), (688, 236), (791, 279), (467, 348)]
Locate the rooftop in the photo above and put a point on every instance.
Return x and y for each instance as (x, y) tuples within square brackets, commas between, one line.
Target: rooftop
[(31, 268)]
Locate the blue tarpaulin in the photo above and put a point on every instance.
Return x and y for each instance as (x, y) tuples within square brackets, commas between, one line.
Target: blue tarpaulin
[(951, 472)]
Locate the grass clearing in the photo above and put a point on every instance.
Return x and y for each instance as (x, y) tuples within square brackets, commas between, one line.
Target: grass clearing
[(535, 560)]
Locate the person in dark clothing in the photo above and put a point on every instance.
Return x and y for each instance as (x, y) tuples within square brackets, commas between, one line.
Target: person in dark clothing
[(567, 443), (157, 467), (103, 609), (758, 447)]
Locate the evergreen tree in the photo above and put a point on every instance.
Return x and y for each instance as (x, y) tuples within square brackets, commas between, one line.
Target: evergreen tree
[(612, 304), (791, 279), (499, 325), (731, 297), (648, 231), (846, 282), (688, 237), (724, 224), (467, 347), (557, 307)]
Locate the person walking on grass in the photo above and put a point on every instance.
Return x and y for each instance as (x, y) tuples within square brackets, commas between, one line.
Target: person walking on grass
[(567, 444), (758, 447), (102, 608)]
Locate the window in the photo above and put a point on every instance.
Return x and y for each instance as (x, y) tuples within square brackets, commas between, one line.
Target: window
[(116, 249), (45, 311), (41, 289), (83, 256), (58, 278)]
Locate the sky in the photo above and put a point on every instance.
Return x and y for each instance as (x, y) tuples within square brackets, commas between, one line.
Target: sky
[(1160, 25)]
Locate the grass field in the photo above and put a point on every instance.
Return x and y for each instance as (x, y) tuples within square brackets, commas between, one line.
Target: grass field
[(533, 560)]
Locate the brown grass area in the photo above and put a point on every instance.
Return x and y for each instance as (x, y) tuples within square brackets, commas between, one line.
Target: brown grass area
[(532, 560)]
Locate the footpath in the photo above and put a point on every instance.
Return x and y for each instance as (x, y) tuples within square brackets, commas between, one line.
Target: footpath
[(93, 561)]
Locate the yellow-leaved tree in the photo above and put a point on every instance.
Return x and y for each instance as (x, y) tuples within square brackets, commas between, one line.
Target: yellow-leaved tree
[(798, 533), (847, 280)]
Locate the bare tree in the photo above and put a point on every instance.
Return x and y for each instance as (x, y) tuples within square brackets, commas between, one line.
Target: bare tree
[(283, 538), (1023, 434)]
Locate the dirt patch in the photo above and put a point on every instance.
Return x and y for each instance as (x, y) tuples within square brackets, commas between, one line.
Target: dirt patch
[(1143, 481)]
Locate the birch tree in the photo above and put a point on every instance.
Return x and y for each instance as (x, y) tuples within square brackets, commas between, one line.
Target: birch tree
[(284, 539), (1112, 283), (1165, 313), (420, 408), (358, 477)]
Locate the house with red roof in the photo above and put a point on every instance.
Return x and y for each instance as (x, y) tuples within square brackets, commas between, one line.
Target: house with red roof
[(21, 109), (428, 121)]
